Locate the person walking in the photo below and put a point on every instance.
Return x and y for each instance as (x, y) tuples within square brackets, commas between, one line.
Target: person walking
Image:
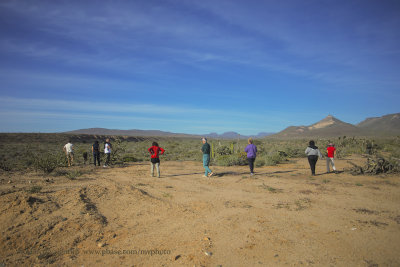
[(206, 157), (251, 151), (69, 152), (313, 153), (154, 151), (330, 155), (96, 152), (107, 152)]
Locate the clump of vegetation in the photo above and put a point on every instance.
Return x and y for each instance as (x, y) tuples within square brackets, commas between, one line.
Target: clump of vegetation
[(72, 175), (60, 172), (376, 165), (5, 165), (34, 189), (223, 150), (118, 151), (129, 158), (237, 159), (48, 162), (271, 189)]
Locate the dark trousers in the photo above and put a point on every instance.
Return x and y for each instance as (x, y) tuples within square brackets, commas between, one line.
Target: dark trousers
[(96, 156), (313, 161), (251, 164)]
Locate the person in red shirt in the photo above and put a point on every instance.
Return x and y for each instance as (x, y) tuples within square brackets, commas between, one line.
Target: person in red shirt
[(331, 153), (154, 150)]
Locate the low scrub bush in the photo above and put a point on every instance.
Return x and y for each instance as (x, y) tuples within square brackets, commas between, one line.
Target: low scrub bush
[(118, 150), (72, 175), (259, 162), (34, 189), (48, 162), (223, 150), (274, 158), (231, 160), (5, 165), (130, 158)]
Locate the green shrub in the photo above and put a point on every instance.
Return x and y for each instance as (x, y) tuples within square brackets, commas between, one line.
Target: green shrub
[(60, 172), (129, 158), (259, 162), (295, 152), (48, 162), (118, 151), (34, 189), (5, 165), (231, 160), (274, 158), (223, 150), (72, 175)]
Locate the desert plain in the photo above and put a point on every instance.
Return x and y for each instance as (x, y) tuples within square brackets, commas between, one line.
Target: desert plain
[(120, 216)]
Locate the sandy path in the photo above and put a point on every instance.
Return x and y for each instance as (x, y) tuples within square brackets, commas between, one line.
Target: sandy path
[(281, 216)]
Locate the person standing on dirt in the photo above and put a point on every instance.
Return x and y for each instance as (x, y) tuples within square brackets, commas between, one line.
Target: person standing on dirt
[(251, 151), (154, 151), (69, 152), (313, 153), (107, 152), (330, 154), (206, 157), (96, 152)]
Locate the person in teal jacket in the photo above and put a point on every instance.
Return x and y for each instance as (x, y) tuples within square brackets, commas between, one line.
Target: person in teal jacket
[(206, 158)]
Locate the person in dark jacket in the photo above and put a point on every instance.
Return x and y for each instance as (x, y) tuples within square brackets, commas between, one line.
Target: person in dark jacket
[(154, 150), (313, 153), (206, 157), (96, 152)]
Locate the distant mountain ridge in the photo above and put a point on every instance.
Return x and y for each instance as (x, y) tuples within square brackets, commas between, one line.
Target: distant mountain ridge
[(134, 132), (157, 133), (235, 135), (387, 125), (332, 127)]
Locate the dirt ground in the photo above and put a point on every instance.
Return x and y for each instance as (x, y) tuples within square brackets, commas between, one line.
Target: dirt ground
[(120, 216)]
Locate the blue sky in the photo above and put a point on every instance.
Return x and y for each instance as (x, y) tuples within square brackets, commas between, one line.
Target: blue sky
[(196, 66)]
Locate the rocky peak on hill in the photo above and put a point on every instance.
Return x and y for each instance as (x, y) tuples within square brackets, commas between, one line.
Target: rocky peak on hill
[(388, 125), (328, 121), (327, 127)]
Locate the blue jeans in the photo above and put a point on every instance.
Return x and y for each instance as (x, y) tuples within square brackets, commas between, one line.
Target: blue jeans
[(206, 162)]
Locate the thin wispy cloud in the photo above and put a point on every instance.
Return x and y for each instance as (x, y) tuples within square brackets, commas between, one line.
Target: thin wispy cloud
[(122, 109)]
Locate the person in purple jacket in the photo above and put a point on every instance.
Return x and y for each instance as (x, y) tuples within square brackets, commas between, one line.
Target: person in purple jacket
[(251, 151)]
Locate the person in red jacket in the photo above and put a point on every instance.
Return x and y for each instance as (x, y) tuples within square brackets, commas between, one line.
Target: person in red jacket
[(155, 160), (330, 155)]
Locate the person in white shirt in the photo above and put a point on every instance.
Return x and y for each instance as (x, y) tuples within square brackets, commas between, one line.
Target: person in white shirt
[(69, 152), (107, 151)]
